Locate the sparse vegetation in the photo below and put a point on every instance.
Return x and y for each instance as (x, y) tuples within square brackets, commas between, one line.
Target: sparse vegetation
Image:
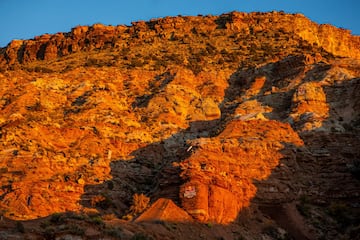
[(75, 230), (355, 168), (114, 232), (97, 220), (140, 203), (276, 233), (57, 218), (109, 217), (20, 227), (271, 231), (101, 201), (141, 236), (76, 216), (341, 213), (303, 206), (49, 233), (110, 185)]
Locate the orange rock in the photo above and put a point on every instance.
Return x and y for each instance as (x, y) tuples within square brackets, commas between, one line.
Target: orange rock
[(220, 172), (310, 106), (164, 210), (121, 105), (194, 197)]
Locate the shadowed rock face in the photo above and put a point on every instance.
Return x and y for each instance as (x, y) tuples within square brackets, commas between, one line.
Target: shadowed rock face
[(215, 118)]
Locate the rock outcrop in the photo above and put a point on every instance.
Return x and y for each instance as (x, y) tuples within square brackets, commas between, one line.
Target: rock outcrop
[(164, 210), (219, 174), (339, 42), (239, 121)]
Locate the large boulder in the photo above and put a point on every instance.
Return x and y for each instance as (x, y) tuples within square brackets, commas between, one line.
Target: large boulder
[(220, 172)]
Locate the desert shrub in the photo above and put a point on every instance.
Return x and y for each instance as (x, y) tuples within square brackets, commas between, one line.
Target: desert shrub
[(43, 69), (303, 209), (140, 203), (340, 212), (211, 49), (270, 231), (36, 107), (194, 66), (109, 217), (169, 226), (355, 169), (348, 127), (57, 218), (141, 236), (159, 64), (115, 232), (355, 232), (91, 62), (231, 57), (45, 224), (303, 206), (97, 62), (110, 185), (76, 216), (276, 233), (127, 217), (101, 201), (20, 227), (136, 62), (175, 58), (49, 233), (97, 220), (75, 230)]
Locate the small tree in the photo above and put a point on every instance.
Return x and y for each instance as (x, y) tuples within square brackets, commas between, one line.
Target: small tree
[(140, 203)]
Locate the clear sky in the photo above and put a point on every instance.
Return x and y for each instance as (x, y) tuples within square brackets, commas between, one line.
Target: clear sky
[(25, 19)]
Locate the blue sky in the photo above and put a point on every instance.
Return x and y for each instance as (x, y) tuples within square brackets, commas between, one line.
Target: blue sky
[(24, 19)]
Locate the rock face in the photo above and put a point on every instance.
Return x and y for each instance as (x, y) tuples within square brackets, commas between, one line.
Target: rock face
[(310, 105), (164, 210), (240, 121), (339, 42), (219, 175)]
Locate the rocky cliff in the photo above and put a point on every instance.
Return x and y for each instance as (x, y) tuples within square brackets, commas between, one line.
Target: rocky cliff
[(339, 42), (239, 125)]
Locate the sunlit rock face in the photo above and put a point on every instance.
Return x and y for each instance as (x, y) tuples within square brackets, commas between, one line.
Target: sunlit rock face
[(210, 115), (337, 41), (219, 174)]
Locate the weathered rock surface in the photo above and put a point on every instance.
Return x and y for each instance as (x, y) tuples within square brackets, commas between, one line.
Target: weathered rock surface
[(339, 42), (217, 119), (221, 171)]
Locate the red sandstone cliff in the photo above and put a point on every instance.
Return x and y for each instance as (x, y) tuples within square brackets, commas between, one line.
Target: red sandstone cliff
[(339, 42), (243, 125)]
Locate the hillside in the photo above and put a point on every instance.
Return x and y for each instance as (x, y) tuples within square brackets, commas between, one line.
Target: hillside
[(238, 126)]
